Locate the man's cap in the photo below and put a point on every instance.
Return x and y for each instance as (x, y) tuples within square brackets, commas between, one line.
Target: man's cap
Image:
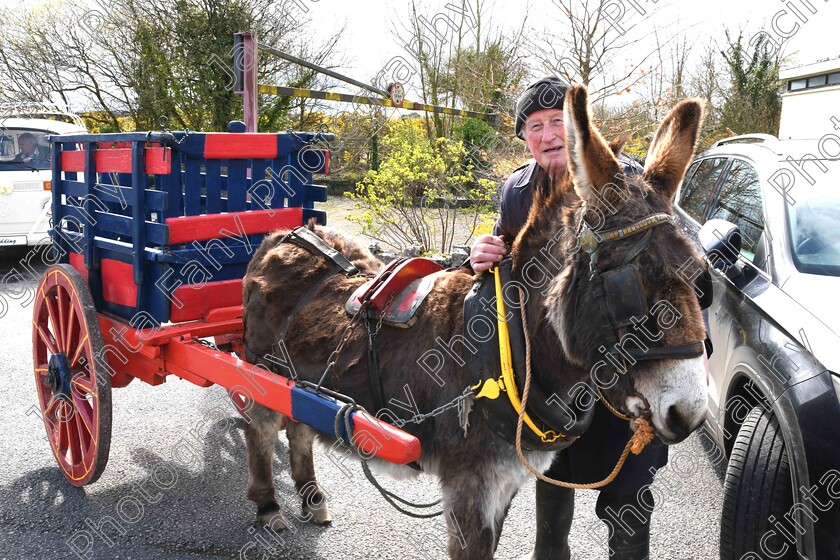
[(546, 93)]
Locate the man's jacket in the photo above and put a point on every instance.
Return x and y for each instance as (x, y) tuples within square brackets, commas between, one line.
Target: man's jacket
[(518, 195)]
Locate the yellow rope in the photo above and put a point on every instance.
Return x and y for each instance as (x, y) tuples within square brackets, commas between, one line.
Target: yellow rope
[(641, 437)]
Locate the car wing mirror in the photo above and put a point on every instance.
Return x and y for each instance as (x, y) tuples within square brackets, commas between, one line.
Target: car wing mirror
[(721, 240)]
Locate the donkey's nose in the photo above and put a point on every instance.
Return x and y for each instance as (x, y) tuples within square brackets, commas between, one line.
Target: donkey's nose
[(679, 424)]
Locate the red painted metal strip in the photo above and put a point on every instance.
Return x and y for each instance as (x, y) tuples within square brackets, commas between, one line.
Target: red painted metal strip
[(184, 229), (196, 329), (223, 145), (221, 368), (225, 313), (73, 160), (119, 160), (326, 162), (274, 391), (198, 300), (158, 161), (77, 261), (118, 283), (385, 441), (127, 358), (187, 375)]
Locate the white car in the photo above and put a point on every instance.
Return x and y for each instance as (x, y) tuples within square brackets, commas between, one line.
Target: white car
[(25, 176)]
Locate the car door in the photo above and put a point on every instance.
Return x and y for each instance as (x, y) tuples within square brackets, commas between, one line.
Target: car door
[(695, 200), (735, 319)]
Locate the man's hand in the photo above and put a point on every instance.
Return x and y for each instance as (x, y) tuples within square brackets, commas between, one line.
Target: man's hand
[(488, 250)]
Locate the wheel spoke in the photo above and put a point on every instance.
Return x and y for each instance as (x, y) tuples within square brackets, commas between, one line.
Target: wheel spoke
[(61, 329), (83, 383), (70, 322), (73, 442), (78, 352), (52, 303), (84, 432), (63, 440), (84, 417), (46, 336), (48, 409)]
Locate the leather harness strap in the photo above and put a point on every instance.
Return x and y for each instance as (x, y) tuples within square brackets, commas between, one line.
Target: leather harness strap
[(302, 236)]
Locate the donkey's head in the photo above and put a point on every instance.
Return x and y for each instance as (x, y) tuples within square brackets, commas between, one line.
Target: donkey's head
[(625, 306)]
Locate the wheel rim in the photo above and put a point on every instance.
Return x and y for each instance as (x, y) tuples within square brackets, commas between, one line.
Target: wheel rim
[(72, 390)]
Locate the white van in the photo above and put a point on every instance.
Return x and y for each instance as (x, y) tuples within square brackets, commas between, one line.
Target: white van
[(25, 176)]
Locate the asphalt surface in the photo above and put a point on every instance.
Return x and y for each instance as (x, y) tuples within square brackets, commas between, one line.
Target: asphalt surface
[(174, 487)]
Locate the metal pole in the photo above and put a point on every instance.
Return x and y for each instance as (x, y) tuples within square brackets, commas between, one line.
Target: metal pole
[(336, 75)]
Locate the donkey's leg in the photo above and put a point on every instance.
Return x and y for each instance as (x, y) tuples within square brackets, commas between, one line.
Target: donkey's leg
[(314, 502), (500, 519), (260, 440), (475, 501)]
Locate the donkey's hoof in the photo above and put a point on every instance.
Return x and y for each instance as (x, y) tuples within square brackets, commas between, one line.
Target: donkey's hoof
[(320, 515), (268, 515)]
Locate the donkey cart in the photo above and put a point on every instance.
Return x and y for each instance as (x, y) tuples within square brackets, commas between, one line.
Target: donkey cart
[(152, 234)]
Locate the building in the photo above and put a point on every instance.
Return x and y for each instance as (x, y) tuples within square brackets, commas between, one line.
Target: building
[(811, 102)]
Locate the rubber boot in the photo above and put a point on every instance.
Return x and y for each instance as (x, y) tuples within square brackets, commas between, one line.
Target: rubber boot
[(628, 518), (555, 511)]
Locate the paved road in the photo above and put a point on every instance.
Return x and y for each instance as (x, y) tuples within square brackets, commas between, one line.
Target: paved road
[(174, 487)]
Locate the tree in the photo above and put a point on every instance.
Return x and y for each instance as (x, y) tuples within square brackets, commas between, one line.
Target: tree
[(145, 59), (591, 37), (414, 197), (460, 60), (753, 102)]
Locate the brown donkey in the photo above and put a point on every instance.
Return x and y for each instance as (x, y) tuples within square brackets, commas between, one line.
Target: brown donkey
[(592, 237)]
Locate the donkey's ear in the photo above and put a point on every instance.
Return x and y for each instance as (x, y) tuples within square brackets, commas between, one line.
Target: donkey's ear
[(592, 162), (673, 146)]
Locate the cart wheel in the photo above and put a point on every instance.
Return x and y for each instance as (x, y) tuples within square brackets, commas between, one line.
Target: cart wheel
[(71, 374)]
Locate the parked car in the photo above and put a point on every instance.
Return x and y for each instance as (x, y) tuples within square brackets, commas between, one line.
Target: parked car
[(766, 213), (25, 176)]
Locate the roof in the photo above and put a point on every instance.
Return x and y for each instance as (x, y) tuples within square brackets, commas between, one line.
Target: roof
[(46, 125), (752, 145), (813, 69)]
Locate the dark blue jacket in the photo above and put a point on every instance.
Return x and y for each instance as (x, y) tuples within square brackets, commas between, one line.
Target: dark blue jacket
[(518, 195)]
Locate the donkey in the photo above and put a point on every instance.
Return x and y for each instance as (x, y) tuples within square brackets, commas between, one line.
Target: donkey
[(480, 472)]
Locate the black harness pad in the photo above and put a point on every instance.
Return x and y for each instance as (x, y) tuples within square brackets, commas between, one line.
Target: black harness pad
[(481, 332), (624, 296)]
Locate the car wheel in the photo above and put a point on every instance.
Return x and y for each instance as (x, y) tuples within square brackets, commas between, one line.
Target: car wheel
[(757, 493)]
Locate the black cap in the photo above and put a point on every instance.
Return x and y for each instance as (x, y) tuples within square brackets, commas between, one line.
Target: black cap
[(546, 93)]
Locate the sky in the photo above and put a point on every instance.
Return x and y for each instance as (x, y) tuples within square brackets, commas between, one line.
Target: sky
[(369, 44)]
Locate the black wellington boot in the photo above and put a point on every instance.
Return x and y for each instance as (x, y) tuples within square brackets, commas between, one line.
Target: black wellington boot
[(628, 518), (555, 511)]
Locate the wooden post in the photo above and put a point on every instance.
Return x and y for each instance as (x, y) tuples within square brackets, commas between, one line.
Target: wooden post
[(249, 82)]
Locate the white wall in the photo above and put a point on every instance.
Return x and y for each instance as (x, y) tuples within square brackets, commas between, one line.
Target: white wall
[(807, 114)]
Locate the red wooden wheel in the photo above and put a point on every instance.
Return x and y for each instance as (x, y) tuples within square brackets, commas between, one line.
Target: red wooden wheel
[(71, 374)]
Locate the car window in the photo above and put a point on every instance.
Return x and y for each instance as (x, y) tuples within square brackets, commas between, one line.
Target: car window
[(739, 202), (698, 189), (22, 146)]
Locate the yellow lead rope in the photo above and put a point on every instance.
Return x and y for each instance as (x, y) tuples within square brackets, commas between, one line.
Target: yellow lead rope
[(641, 437), (507, 383)]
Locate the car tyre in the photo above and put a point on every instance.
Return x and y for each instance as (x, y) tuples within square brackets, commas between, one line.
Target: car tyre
[(757, 492)]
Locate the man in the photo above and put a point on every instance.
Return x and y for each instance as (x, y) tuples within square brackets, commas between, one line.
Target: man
[(29, 149), (626, 503)]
